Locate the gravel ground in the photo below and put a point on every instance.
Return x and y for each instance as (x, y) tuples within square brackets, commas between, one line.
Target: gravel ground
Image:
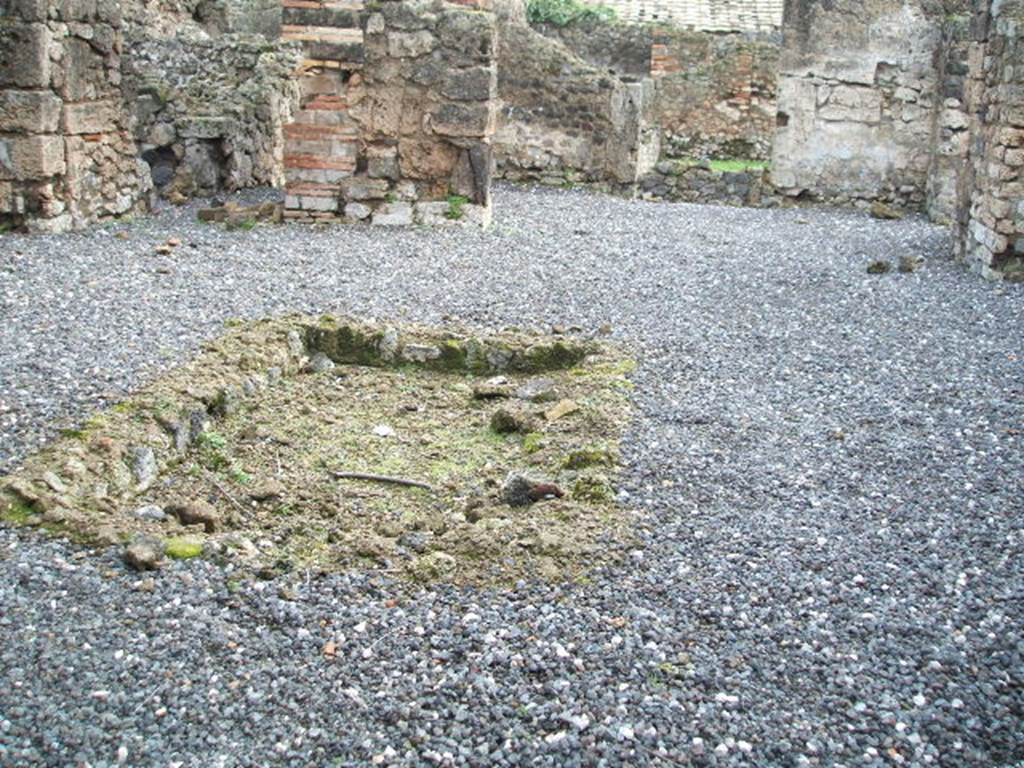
[(830, 464)]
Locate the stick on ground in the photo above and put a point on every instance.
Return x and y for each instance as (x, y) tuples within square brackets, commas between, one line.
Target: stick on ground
[(381, 479)]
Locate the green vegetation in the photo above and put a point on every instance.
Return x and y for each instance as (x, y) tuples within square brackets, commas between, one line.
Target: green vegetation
[(455, 205), (562, 13), (211, 447), (184, 547), (727, 165), (17, 512)]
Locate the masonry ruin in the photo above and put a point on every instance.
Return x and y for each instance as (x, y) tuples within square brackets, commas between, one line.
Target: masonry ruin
[(401, 111), (472, 457)]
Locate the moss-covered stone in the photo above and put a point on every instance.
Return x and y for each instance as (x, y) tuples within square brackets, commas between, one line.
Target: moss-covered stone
[(582, 458), (183, 547), (593, 488)]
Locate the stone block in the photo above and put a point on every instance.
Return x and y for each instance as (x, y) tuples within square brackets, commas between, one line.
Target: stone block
[(358, 211), (29, 112), (28, 10), (847, 103), (476, 84), (205, 127), (363, 188), (76, 10), (463, 120), (25, 158), (25, 55), (426, 159), (90, 117), (84, 73), (394, 215), (410, 45), (467, 36), (382, 163), (7, 198)]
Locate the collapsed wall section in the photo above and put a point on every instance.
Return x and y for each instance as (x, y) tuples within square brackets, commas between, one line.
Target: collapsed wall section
[(397, 112), (67, 156)]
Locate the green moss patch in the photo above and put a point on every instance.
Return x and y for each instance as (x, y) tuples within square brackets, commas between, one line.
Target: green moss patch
[(183, 547)]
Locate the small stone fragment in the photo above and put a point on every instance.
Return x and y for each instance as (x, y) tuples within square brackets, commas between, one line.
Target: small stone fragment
[(910, 264), (142, 462), (319, 363), (495, 388), (538, 391), (383, 430), (150, 512), (506, 421), (144, 554), (267, 490), (196, 512), (879, 267), (55, 483), (880, 210), (561, 409)]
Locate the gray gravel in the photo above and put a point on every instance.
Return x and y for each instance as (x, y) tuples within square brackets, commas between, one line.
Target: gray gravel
[(829, 463)]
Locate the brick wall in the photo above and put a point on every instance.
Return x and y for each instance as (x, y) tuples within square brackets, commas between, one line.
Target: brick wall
[(397, 112)]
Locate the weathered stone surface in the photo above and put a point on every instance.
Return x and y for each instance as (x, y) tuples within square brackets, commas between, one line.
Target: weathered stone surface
[(29, 112), (463, 120), (393, 215), (476, 84), (358, 211), (407, 45), (31, 157), (90, 117), (24, 55), (363, 188)]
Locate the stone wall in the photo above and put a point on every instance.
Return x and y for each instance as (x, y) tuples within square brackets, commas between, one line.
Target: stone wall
[(210, 111), (702, 182), (67, 156), (990, 211), (564, 120), (709, 95), (716, 93), (397, 113), (702, 15), (857, 90), (950, 136)]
